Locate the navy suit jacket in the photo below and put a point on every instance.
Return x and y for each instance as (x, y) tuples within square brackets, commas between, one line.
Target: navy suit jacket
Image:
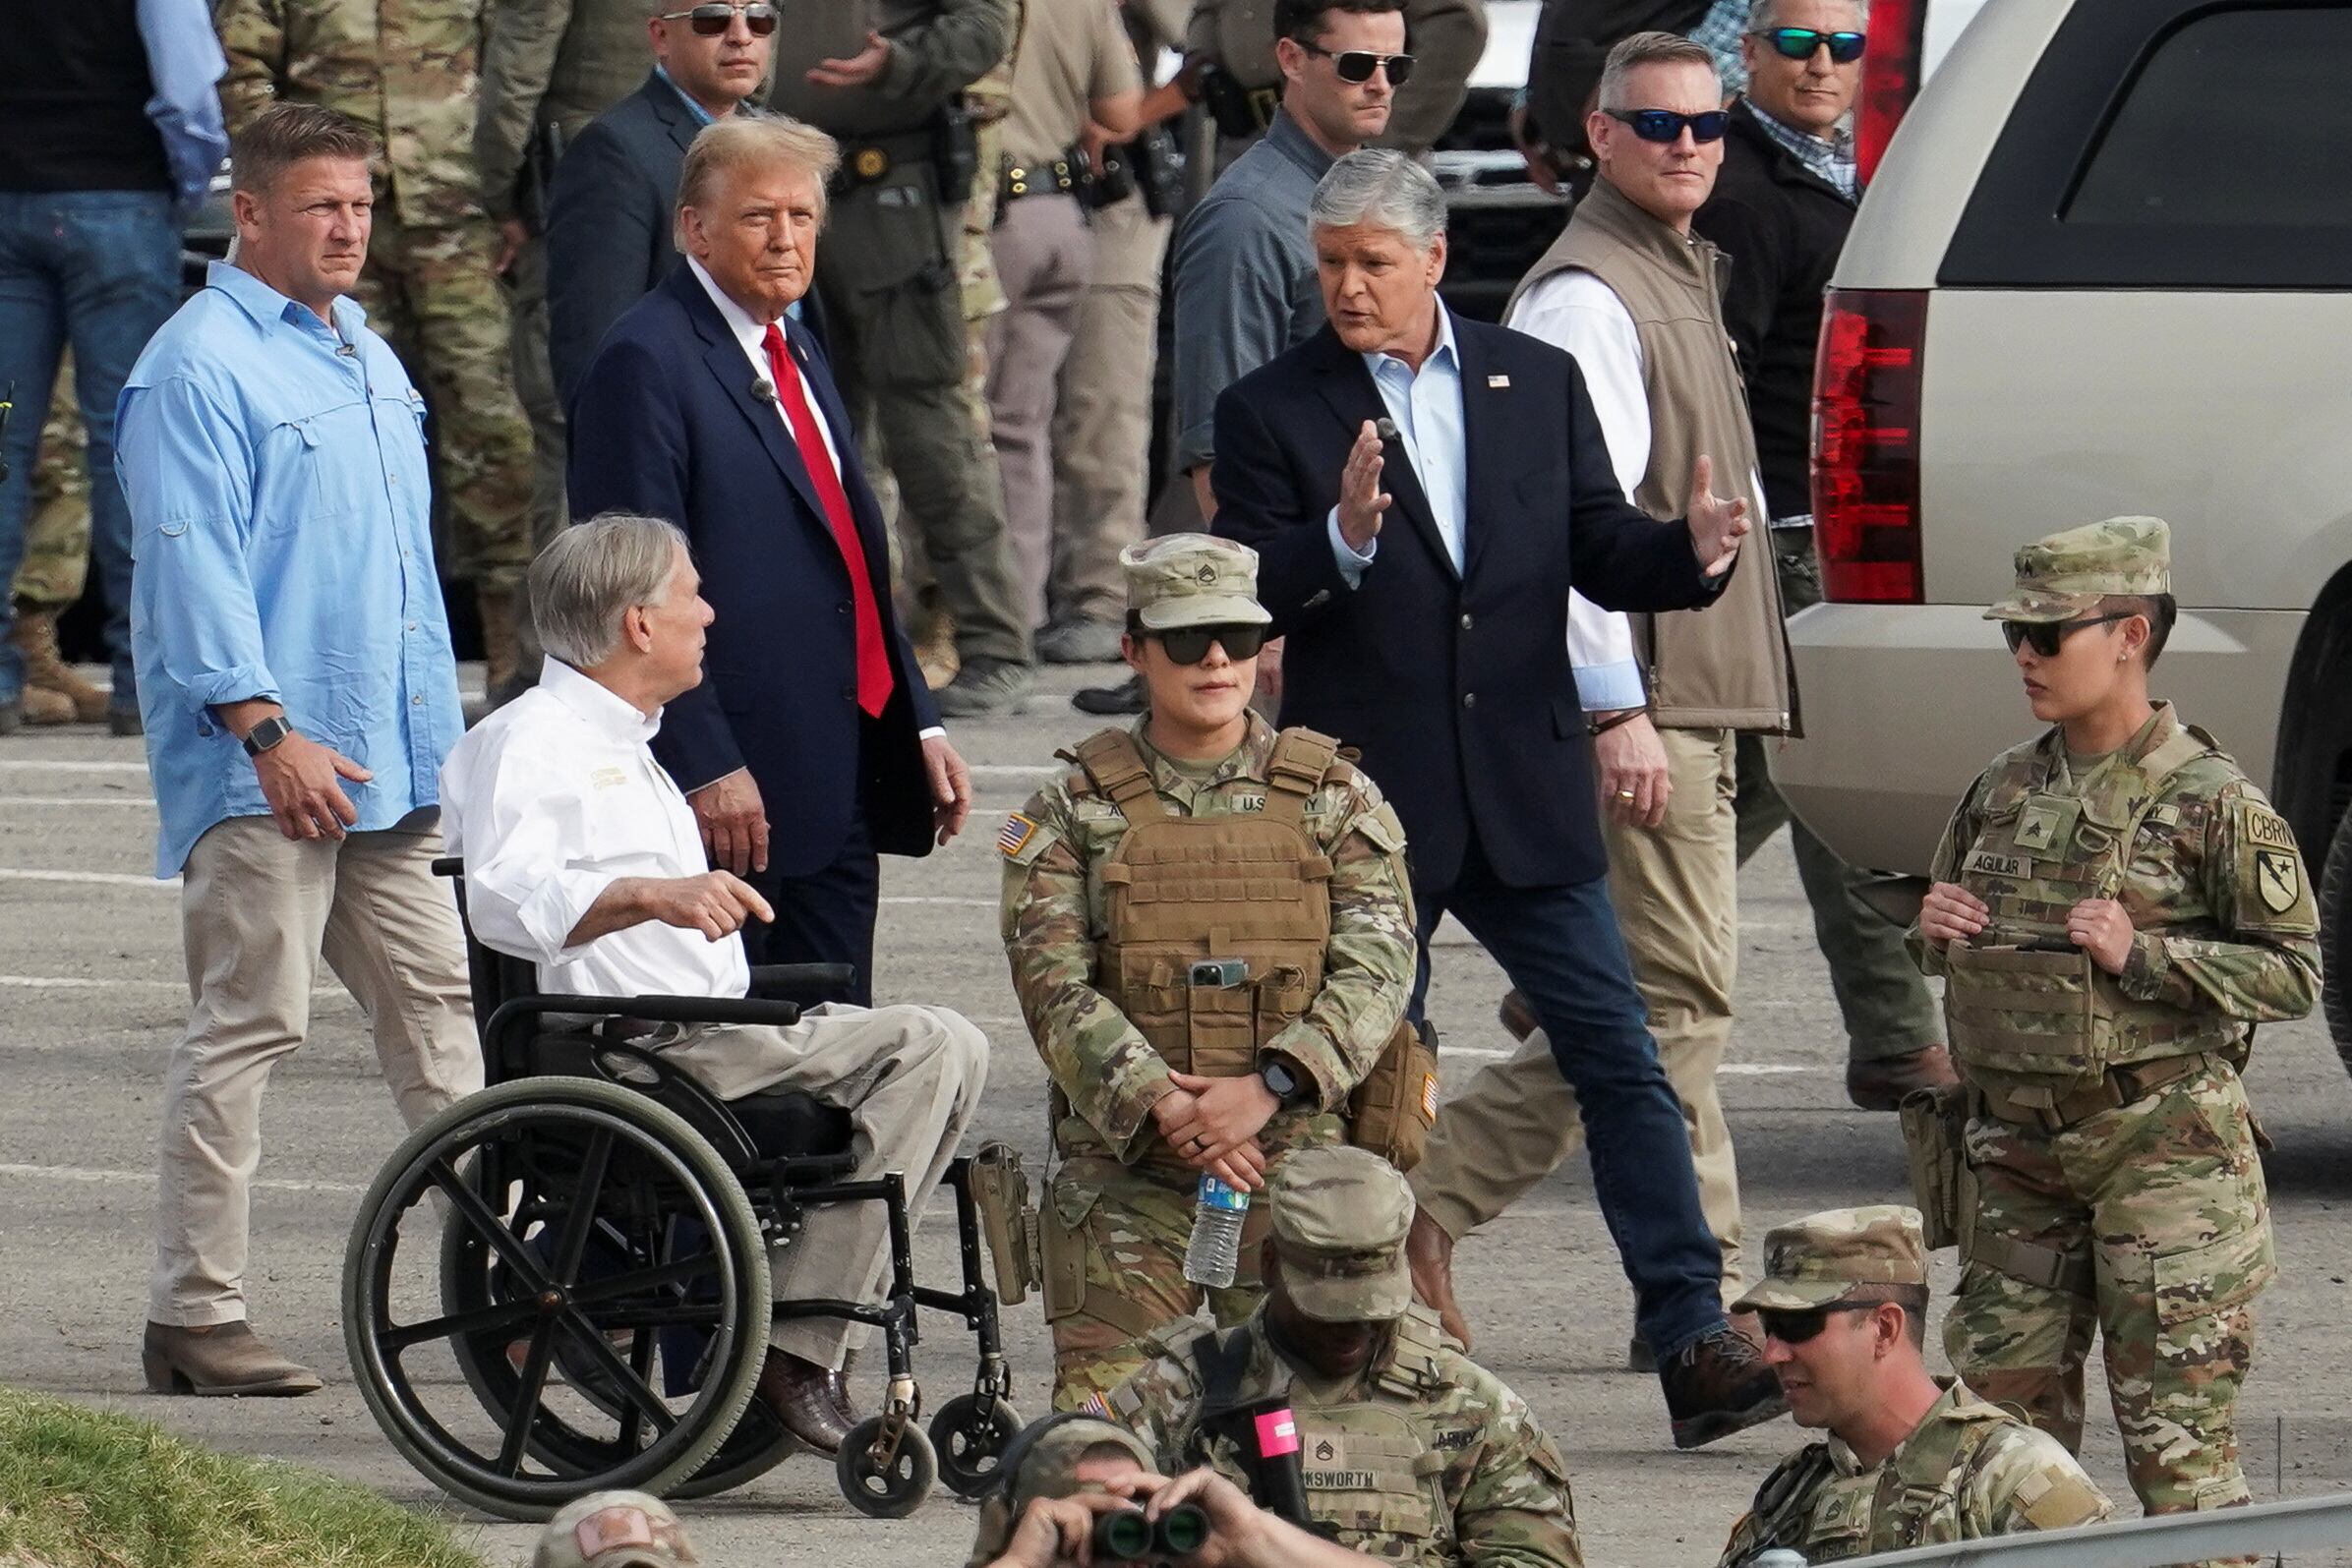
[(1456, 687), (666, 423), (608, 222)]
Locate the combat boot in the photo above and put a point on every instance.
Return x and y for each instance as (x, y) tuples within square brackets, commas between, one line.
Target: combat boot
[(1719, 1384), (494, 606), (936, 647), (1882, 1085), (35, 637), (222, 1360), (985, 687), (44, 706)]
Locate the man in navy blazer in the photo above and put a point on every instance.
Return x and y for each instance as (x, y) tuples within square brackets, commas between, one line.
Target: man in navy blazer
[(608, 208), (812, 742), (1423, 492)]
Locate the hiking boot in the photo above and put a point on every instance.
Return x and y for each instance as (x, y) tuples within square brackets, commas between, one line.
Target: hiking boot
[(985, 689), (1717, 1385), (221, 1360), (35, 637), (1080, 641), (1127, 697), (1881, 1085), (42, 705)]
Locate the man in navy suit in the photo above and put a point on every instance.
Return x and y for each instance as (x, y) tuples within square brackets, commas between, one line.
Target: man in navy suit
[(609, 210), (812, 742), (1423, 492)]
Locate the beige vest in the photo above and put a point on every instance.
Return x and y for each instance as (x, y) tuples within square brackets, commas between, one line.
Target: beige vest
[(1726, 666)]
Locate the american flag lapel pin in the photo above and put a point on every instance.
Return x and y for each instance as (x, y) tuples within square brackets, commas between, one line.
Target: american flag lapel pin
[(1498, 383)]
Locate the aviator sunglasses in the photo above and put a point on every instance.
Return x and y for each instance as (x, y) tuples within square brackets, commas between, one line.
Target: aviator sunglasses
[(1794, 1328), (1189, 645), (1356, 66), (1799, 43), (2044, 637), (712, 20), (1664, 125)]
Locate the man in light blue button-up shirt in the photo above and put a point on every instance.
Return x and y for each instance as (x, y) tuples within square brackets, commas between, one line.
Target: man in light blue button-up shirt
[(299, 697)]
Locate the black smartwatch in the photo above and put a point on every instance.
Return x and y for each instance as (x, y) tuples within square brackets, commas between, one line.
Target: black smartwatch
[(268, 732), (1282, 1082)]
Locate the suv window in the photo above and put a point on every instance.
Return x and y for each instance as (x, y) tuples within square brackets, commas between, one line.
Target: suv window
[(2171, 144)]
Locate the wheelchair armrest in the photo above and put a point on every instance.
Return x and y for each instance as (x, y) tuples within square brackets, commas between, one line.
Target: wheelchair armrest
[(804, 982), (517, 1012)]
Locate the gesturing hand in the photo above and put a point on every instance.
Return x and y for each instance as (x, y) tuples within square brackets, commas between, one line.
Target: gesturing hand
[(950, 787), (857, 69), (2100, 928), (298, 779), (734, 821), (1361, 498), (1716, 525), (1951, 913), (715, 903)]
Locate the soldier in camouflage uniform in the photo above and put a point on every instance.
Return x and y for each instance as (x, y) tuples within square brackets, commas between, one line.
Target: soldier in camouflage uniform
[(55, 566), (1911, 1460), (1409, 1451), (2115, 905), (405, 71), (1200, 834)]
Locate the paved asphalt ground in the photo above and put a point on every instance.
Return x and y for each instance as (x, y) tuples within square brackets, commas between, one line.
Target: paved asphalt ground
[(94, 993)]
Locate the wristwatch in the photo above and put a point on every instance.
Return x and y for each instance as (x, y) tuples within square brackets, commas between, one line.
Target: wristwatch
[(1281, 1082), (268, 732)]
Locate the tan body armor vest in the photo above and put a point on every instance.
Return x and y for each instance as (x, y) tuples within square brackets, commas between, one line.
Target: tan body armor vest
[(1912, 1500), (2024, 1006)]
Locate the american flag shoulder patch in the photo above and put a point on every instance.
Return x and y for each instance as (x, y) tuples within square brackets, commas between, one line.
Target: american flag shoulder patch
[(1096, 1408), (1015, 834)]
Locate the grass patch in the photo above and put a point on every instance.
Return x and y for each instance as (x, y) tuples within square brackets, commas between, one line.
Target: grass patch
[(90, 1489)]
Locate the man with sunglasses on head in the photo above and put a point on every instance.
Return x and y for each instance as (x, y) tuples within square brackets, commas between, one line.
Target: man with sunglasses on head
[(1212, 937), (1911, 1459), (2115, 908), (1635, 298), (611, 237)]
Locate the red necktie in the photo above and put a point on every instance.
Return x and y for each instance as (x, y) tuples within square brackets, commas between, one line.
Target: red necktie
[(873, 658)]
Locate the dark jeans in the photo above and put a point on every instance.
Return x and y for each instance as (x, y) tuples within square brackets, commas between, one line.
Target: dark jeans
[(824, 917), (1561, 949), (98, 271)]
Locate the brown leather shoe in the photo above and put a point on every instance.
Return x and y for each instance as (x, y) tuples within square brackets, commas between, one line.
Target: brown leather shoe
[(222, 1360), (1881, 1085), (1429, 1252), (1516, 1016), (1717, 1385), (807, 1399)]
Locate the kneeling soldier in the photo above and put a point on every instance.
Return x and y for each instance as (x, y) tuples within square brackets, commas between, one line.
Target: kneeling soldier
[(2114, 906), (1212, 937), (1912, 1459)]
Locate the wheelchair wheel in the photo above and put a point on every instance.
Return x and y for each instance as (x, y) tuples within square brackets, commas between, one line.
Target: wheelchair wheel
[(968, 1435), (885, 1487), (757, 1445), (558, 1197)]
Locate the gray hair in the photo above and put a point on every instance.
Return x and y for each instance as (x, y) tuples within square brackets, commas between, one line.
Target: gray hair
[(591, 574), (744, 139), (1384, 189), (1650, 48), (1765, 15)]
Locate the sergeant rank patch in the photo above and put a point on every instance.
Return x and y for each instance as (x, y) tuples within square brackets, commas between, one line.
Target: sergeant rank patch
[(1015, 834)]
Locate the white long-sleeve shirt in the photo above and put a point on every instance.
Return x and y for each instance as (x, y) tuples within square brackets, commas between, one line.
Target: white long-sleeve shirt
[(551, 800)]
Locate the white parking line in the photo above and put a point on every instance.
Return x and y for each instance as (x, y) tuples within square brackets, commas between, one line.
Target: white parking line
[(85, 1172), (71, 764), (77, 800), (99, 879)]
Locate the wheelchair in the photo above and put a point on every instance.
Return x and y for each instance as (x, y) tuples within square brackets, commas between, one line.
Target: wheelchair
[(561, 1284)]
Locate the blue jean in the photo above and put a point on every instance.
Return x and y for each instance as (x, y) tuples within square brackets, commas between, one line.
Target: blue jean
[(1561, 949), (98, 271)]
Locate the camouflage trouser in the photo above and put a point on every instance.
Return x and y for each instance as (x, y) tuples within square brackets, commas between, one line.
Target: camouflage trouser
[(2163, 1201), (1114, 1269), (431, 293), (56, 561)]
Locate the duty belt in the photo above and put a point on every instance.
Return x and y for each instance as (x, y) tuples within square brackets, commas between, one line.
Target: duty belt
[(2122, 1086), (1060, 177), (872, 163)]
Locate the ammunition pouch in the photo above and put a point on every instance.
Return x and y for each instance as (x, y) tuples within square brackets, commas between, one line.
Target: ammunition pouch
[(1097, 189), (1000, 1195), (2028, 1013), (1393, 1108), (955, 153), (1158, 165), (1935, 1125)]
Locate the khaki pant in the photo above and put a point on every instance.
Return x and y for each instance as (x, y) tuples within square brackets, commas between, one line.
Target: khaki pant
[(1103, 423), (1044, 258), (258, 911), (1675, 889), (911, 1080)]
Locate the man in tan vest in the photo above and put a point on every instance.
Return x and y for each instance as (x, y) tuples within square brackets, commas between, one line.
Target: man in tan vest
[(1637, 298)]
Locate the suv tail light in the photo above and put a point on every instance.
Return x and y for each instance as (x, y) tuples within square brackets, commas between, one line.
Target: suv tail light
[(1866, 445), (1890, 77)]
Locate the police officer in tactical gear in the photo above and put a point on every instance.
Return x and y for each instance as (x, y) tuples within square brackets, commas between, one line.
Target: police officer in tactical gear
[(2115, 905), (1911, 1460)]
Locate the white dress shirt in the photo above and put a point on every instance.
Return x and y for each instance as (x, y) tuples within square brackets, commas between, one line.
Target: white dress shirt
[(551, 800)]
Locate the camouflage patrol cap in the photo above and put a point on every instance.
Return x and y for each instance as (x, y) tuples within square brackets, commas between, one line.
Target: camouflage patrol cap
[(1048, 1466), (2067, 575), (1820, 1259), (1340, 1221), (1192, 580), (613, 1530)]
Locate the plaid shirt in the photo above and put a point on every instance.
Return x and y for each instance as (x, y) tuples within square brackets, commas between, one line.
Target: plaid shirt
[(1720, 30), (1831, 161)]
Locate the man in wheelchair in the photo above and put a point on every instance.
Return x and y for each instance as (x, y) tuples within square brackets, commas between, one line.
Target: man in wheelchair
[(582, 857)]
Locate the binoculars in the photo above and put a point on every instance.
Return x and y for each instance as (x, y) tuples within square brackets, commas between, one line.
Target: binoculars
[(1129, 1536)]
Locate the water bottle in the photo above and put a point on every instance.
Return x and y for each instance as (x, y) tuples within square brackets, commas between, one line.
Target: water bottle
[(1215, 1250)]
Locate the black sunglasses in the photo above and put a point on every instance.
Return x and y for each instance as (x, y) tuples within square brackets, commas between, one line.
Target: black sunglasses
[(1799, 43), (712, 20), (1358, 65), (1189, 645), (1664, 125), (2044, 637), (1794, 1328)]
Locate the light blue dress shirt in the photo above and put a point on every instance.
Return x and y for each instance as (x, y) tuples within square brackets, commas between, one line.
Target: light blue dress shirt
[(702, 116), (1427, 408), (281, 547), (184, 61)]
